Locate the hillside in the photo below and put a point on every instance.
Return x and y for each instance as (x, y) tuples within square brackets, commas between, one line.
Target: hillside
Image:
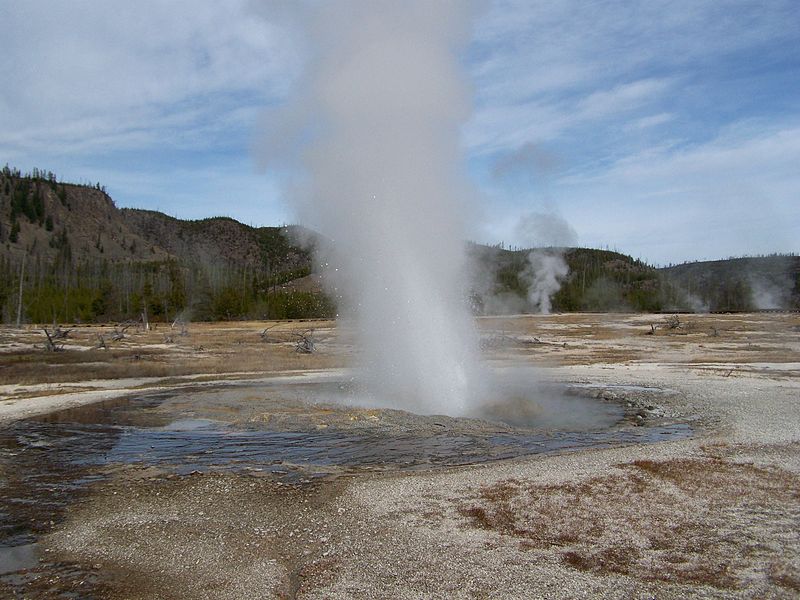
[(220, 240), (761, 282), (45, 220), (84, 259), (598, 280), (49, 221)]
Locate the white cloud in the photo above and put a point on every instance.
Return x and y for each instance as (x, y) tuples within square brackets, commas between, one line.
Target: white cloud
[(565, 63), (734, 194), (621, 98), (652, 121), (118, 74)]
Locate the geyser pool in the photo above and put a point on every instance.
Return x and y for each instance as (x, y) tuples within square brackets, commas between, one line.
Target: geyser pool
[(311, 426), (290, 429)]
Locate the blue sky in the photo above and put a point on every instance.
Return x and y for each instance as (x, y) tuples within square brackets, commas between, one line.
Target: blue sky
[(669, 130)]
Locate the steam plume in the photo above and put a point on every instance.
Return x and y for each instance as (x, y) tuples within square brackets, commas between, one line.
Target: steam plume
[(545, 271), (372, 136), (546, 268)]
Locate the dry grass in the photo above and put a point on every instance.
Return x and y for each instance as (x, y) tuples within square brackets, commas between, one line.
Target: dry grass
[(690, 521), (214, 348), (567, 339), (570, 339)]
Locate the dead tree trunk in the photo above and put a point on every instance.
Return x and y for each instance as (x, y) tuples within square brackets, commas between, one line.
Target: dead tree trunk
[(50, 344), (19, 300)]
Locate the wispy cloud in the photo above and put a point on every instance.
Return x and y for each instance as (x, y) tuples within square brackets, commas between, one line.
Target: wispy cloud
[(651, 121), (734, 194), (117, 73), (549, 60), (621, 98)]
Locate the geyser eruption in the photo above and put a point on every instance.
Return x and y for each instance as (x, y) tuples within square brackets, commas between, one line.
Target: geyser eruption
[(373, 132)]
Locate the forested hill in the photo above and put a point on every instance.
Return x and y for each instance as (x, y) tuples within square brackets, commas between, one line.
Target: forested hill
[(83, 259), (221, 240), (86, 259), (601, 280), (758, 282), (598, 280), (43, 218)]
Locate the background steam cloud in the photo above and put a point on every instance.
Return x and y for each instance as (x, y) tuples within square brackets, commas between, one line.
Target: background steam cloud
[(546, 268)]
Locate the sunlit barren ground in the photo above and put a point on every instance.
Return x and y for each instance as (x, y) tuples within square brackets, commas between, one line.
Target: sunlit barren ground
[(714, 514)]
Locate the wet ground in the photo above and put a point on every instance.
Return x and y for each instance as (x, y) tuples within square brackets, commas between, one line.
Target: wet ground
[(290, 433)]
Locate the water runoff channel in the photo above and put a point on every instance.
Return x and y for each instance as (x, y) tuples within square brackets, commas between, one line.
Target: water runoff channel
[(295, 430)]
